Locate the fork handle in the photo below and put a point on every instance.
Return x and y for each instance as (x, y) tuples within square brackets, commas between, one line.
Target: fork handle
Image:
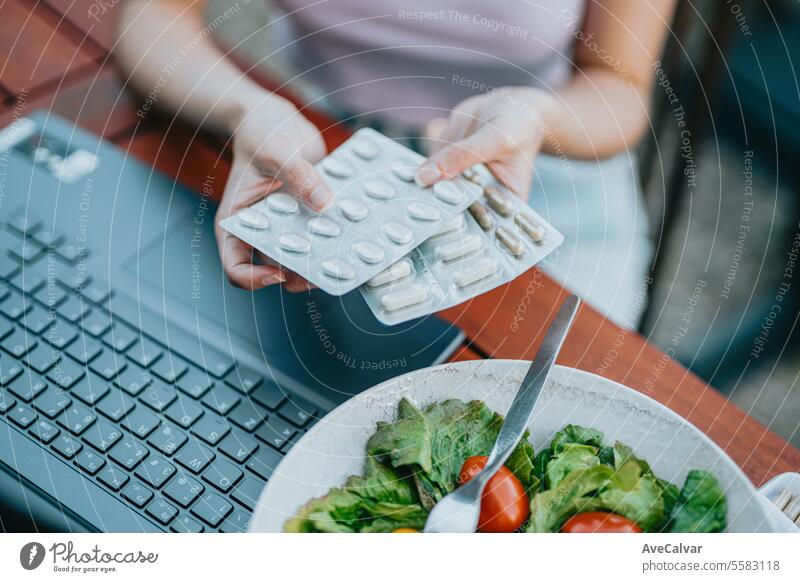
[(521, 411)]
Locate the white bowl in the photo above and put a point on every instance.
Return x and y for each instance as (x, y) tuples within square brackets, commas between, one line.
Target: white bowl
[(335, 447)]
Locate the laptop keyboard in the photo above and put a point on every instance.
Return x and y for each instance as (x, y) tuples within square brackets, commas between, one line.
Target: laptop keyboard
[(188, 446)]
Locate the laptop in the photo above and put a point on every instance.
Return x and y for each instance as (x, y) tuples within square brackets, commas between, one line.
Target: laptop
[(139, 390)]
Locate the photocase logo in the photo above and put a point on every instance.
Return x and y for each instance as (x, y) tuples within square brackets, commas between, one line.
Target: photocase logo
[(31, 555)]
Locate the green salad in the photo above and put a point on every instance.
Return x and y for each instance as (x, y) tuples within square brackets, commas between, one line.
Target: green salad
[(578, 483)]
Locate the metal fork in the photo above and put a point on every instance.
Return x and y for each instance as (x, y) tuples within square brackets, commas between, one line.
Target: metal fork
[(789, 504), (459, 511)]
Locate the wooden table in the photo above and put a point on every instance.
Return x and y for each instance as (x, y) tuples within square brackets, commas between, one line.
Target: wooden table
[(55, 55)]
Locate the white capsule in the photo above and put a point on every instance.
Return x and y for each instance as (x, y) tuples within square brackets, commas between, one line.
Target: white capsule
[(404, 169), (366, 149), (459, 248), (422, 211), (282, 203), (294, 243), (337, 168), (368, 252), (338, 270), (453, 226), (448, 192), (352, 209), (475, 272), (404, 297), (380, 189), (397, 233), (400, 270), (499, 201), (252, 218), (532, 228), (511, 241), (323, 227)]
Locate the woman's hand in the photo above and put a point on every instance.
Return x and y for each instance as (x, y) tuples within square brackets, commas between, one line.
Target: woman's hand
[(274, 147), (503, 129)]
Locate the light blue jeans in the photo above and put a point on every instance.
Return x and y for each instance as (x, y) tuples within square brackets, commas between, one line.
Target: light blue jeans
[(598, 207)]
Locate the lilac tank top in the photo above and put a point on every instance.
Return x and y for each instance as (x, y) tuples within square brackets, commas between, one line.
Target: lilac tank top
[(412, 60)]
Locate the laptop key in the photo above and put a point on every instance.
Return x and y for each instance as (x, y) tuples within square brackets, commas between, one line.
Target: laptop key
[(36, 320), (264, 462), (48, 238), (167, 439), (155, 471), (169, 369), (185, 524), (76, 419), (247, 416), (276, 432), (184, 412), (248, 491), (158, 395), (183, 490), (51, 402), (89, 462), (120, 338), (51, 295), (112, 477), (144, 352), (298, 413), (194, 456), (42, 358), (88, 391), (96, 293), (9, 370), (8, 266), (25, 225), (44, 431), (236, 522), (140, 422), (221, 399), (96, 323), (137, 494), (162, 511), (195, 383), (222, 475), (116, 405), (74, 309), (26, 281), (66, 374), (211, 428), (14, 306), (102, 435), (243, 379), (211, 509), (6, 402), (66, 446), (59, 335), (133, 379), (269, 394), (6, 327), (108, 365), (27, 386), (217, 363), (238, 446), (19, 343), (128, 453), (22, 416), (84, 350)]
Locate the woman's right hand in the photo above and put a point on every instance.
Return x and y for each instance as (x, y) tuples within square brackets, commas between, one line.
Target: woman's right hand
[(274, 147)]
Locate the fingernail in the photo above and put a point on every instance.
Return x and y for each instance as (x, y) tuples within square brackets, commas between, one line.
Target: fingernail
[(273, 279), (427, 174), (320, 199)]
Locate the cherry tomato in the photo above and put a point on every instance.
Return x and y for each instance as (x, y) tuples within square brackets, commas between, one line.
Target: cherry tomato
[(405, 530), (504, 503), (600, 522)]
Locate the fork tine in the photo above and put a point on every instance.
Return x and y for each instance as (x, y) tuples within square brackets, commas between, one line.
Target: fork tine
[(783, 499), (793, 508)]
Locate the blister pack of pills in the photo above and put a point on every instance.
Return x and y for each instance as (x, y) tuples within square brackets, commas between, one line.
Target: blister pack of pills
[(380, 215), (498, 238)]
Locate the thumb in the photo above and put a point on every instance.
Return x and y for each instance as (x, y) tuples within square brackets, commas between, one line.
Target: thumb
[(453, 159)]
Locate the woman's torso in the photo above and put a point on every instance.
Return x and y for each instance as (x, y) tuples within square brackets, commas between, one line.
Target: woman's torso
[(414, 60)]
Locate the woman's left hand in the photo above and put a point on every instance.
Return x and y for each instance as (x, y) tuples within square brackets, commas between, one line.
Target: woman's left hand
[(503, 130)]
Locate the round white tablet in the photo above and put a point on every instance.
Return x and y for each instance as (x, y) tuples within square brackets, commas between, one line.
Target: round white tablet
[(380, 189), (337, 168), (397, 233), (366, 149), (368, 252), (253, 219), (338, 270), (352, 209), (294, 243), (404, 169), (422, 211), (448, 192), (323, 227), (283, 203)]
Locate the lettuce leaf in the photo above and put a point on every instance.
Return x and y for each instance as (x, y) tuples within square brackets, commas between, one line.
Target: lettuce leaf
[(701, 506)]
